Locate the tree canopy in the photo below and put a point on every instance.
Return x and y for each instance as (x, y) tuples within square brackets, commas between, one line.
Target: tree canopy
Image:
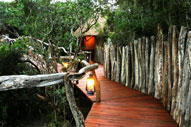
[(136, 18), (51, 22)]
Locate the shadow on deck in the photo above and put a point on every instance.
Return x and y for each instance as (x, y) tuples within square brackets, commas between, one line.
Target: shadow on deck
[(123, 107)]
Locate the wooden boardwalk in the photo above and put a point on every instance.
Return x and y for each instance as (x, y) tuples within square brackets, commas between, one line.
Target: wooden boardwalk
[(124, 107)]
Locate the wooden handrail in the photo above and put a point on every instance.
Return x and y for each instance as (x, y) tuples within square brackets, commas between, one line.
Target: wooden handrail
[(26, 81)]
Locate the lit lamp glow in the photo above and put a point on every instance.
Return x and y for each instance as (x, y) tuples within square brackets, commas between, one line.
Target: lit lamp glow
[(65, 64), (90, 85), (2, 40)]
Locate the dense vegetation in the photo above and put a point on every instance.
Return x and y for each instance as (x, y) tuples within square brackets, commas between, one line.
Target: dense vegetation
[(136, 18), (33, 23)]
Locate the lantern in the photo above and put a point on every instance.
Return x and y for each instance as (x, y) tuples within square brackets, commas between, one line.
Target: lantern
[(65, 64), (90, 85), (2, 40)]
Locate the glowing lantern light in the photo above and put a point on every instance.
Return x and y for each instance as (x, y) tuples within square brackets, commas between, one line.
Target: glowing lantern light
[(90, 85), (65, 64), (2, 40)]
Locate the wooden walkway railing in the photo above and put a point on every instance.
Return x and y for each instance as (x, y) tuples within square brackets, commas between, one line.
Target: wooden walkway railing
[(26, 81), (121, 106)]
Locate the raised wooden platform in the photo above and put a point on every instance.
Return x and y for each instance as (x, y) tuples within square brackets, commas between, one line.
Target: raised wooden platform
[(124, 107)]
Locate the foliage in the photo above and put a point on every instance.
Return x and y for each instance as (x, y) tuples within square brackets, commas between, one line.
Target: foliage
[(136, 18), (10, 64), (18, 105), (10, 59), (52, 23), (43, 21)]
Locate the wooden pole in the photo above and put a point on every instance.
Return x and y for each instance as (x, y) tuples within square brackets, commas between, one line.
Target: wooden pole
[(77, 114), (132, 65), (164, 77), (158, 86), (175, 69), (170, 79), (123, 67), (152, 65), (97, 87)]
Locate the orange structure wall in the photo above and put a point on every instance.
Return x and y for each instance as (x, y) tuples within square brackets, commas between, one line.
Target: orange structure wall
[(89, 42)]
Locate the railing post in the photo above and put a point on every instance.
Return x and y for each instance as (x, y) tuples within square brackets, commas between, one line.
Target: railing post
[(97, 87)]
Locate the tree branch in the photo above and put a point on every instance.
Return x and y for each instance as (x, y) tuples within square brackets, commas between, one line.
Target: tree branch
[(33, 64), (6, 37)]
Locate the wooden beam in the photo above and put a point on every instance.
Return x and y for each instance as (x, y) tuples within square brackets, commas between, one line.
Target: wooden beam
[(82, 72), (25, 81)]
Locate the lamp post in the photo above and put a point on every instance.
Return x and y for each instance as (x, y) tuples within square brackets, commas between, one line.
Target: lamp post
[(90, 85)]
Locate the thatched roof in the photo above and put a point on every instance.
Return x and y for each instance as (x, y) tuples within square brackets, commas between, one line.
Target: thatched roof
[(95, 30)]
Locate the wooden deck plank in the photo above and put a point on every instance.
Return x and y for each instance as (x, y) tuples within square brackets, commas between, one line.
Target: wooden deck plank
[(123, 107)]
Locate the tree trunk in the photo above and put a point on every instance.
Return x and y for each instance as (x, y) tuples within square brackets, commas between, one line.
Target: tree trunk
[(147, 64), (164, 77), (156, 67), (169, 55), (127, 64), (185, 92), (158, 87), (113, 61), (132, 64), (152, 66), (118, 72), (107, 63), (139, 64), (143, 65), (123, 66), (175, 70), (136, 65), (181, 50)]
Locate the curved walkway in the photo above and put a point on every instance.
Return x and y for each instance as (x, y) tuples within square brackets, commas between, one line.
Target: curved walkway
[(123, 107)]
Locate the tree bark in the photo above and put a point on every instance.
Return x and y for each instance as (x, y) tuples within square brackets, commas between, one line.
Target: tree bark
[(25, 81), (107, 63), (170, 79), (185, 93), (152, 65), (139, 52), (123, 66), (118, 71), (164, 77), (156, 64), (143, 65), (77, 114), (127, 64), (132, 64), (136, 65), (113, 62), (175, 70), (147, 64), (181, 50), (158, 86)]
